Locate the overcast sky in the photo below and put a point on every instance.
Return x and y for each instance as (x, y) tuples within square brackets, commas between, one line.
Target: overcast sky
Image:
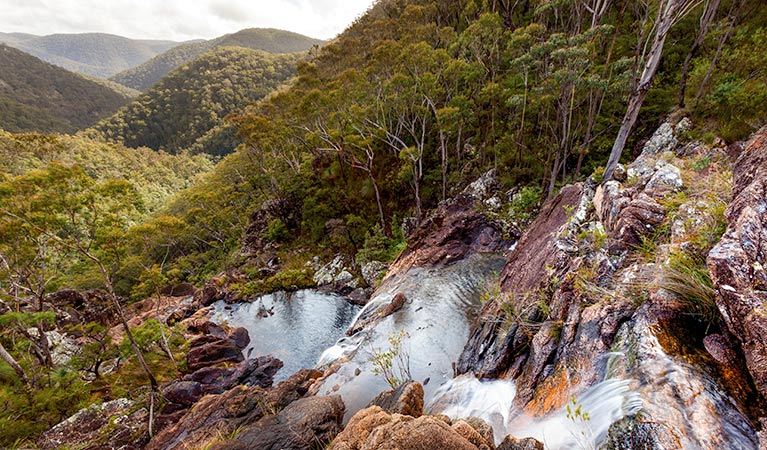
[(178, 19)]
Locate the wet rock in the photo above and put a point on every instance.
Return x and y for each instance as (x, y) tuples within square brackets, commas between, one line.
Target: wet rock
[(488, 352), (394, 305), (240, 337), (374, 429), (256, 372), (304, 424), (512, 443), (407, 399), (738, 262), (209, 294), (720, 348), (184, 393), (633, 434), (213, 353), (110, 425)]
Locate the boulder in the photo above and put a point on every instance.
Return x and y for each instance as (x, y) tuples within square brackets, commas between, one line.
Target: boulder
[(373, 271), (374, 429), (394, 305), (184, 393), (737, 264), (212, 353), (240, 337), (512, 443), (304, 424), (407, 399)]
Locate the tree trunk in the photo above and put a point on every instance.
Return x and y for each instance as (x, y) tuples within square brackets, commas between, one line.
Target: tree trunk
[(719, 48), (669, 13), (14, 365), (709, 12)]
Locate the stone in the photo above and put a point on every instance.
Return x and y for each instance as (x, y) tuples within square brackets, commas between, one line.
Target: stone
[(407, 400), (483, 428), (108, 425), (737, 263), (619, 174), (240, 337), (667, 178), (304, 424), (327, 273), (512, 443), (470, 434), (662, 140), (394, 305), (375, 429), (184, 393), (213, 353), (373, 271)]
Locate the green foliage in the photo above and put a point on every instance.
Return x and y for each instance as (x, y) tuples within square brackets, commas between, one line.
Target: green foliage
[(36, 96), (195, 98), (524, 204), (688, 277), (26, 414), (276, 231), (393, 364), (379, 247), (284, 280)]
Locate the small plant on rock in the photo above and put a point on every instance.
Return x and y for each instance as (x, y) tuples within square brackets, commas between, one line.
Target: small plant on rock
[(393, 364)]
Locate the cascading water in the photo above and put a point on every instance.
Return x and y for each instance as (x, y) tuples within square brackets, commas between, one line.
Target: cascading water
[(597, 408), (293, 327), (441, 304)]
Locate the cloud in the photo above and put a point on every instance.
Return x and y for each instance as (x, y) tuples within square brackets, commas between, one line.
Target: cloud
[(178, 19)]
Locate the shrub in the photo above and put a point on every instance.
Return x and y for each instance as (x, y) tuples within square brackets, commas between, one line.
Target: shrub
[(687, 276)]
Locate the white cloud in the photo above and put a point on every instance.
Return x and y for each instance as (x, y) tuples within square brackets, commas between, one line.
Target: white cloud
[(178, 19)]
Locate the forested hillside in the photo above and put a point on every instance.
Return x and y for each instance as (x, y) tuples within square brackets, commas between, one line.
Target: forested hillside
[(37, 96), (376, 130), (193, 100), (418, 97), (96, 54), (269, 40), (156, 175)]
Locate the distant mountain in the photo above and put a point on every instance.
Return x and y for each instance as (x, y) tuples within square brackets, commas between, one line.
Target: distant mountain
[(96, 54), (37, 96), (266, 39), (187, 108)]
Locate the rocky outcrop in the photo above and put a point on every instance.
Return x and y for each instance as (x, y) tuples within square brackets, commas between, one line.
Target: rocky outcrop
[(489, 352), (375, 429), (407, 399), (738, 262), (456, 229), (236, 409), (110, 425), (575, 308), (304, 424)]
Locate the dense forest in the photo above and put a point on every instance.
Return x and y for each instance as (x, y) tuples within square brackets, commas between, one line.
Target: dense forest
[(412, 102), (36, 96), (146, 75), (95, 54), (194, 99)]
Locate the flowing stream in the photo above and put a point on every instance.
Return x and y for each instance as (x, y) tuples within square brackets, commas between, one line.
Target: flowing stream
[(293, 327), (441, 304)]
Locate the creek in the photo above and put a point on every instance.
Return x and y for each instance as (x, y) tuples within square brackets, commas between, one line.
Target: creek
[(293, 327)]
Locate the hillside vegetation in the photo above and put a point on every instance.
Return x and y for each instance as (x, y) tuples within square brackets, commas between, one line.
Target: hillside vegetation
[(37, 96), (194, 99), (156, 175), (96, 54), (419, 97), (269, 40)]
